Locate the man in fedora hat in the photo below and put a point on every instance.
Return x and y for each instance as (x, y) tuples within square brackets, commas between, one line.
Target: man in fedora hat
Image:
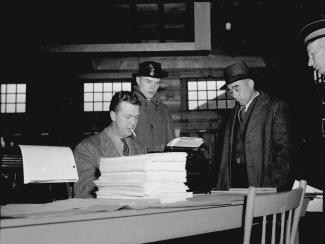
[(313, 37), (257, 145), (155, 127)]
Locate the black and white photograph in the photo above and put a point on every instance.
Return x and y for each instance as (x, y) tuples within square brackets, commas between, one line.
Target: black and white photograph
[(151, 121)]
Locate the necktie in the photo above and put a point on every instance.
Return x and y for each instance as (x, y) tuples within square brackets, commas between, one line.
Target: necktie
[(125, 147), (241, 113)]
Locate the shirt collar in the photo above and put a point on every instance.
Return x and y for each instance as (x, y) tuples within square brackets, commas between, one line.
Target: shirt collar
[(250, 101), (143, 99)]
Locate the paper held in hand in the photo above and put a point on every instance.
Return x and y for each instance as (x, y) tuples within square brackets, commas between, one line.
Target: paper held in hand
[(48, 164), (190, 142)]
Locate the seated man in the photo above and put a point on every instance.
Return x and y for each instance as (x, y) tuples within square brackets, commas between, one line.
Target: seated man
[(114, 141)]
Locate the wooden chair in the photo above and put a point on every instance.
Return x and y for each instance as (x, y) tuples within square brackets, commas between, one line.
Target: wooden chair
[(286, 205)]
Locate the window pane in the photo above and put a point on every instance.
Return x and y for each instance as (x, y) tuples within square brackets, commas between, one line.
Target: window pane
[(11, 88), (221, 93), (21, 88), (3, 108), (88, 97), (10, 108), (98, 106), (3, 88), (21, 108), (88, 107), (212, 104), (98, 96), (192, 85), (117, 87), (202, 104), (212, 95), (107, 86), (212, 85), (192, 105), (126, 86), (3, 98), (11, 98), (231, 103), (220, 83), (108, 96), (192, 95), (202, 95), (88, 87), (222, 104), (202, 85), (98, 87), (21, 98), (106, 106)]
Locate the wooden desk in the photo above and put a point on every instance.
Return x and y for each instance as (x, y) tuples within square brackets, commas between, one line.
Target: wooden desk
[(122, 226)]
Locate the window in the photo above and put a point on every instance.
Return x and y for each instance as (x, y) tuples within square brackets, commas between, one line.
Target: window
[(206, 95), (13, 98), (98, 95), (147, 26)]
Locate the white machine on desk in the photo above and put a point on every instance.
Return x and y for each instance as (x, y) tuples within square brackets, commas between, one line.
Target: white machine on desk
[(48, 164)]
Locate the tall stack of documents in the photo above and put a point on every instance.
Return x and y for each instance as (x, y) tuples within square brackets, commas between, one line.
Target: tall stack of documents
[(148, 176)]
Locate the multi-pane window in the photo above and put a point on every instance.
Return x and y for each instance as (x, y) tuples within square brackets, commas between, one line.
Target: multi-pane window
[(98, 95), (206, 95), (13, 98)]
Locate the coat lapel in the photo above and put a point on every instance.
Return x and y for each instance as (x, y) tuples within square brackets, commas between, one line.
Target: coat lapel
[(253, 117)]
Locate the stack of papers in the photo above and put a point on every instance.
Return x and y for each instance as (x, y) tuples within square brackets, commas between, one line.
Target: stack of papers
[(149, 176), (191, 142)]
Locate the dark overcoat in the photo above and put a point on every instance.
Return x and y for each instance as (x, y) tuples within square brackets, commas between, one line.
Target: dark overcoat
[(155, 126), (267, 145)]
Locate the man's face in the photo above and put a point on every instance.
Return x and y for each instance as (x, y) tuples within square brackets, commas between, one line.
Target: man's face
[(316, 55), (125, 118), (242, 90), (148, 85)]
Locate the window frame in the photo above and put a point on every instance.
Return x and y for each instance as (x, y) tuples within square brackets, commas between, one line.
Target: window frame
[(185, 98), (102, 92), (16, 93)]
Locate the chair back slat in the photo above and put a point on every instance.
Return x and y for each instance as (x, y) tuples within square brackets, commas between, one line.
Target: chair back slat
[(287, 205)]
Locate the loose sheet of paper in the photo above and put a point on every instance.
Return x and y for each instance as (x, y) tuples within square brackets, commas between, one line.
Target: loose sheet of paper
[(315, 204), (48, 164)]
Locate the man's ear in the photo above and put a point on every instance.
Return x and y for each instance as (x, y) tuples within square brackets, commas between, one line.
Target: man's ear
[(137, 79), (251, 83), (113, 115)]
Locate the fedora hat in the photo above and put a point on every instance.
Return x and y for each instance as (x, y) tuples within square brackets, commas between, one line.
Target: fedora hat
[(312, 31), (150, 69), (235, 72)]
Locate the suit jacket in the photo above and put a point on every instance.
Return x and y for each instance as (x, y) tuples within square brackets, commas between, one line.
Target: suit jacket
[(267, 145), (87, 156), (155, 127)]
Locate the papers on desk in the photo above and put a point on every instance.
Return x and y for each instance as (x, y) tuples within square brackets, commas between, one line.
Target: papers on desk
[(148, 176), (48, 164), (316, 203)]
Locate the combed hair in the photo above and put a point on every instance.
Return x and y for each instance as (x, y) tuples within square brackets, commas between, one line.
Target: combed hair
[(123, 96)]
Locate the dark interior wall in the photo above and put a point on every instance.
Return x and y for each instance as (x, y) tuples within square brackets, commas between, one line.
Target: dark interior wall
[(55, 113)]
